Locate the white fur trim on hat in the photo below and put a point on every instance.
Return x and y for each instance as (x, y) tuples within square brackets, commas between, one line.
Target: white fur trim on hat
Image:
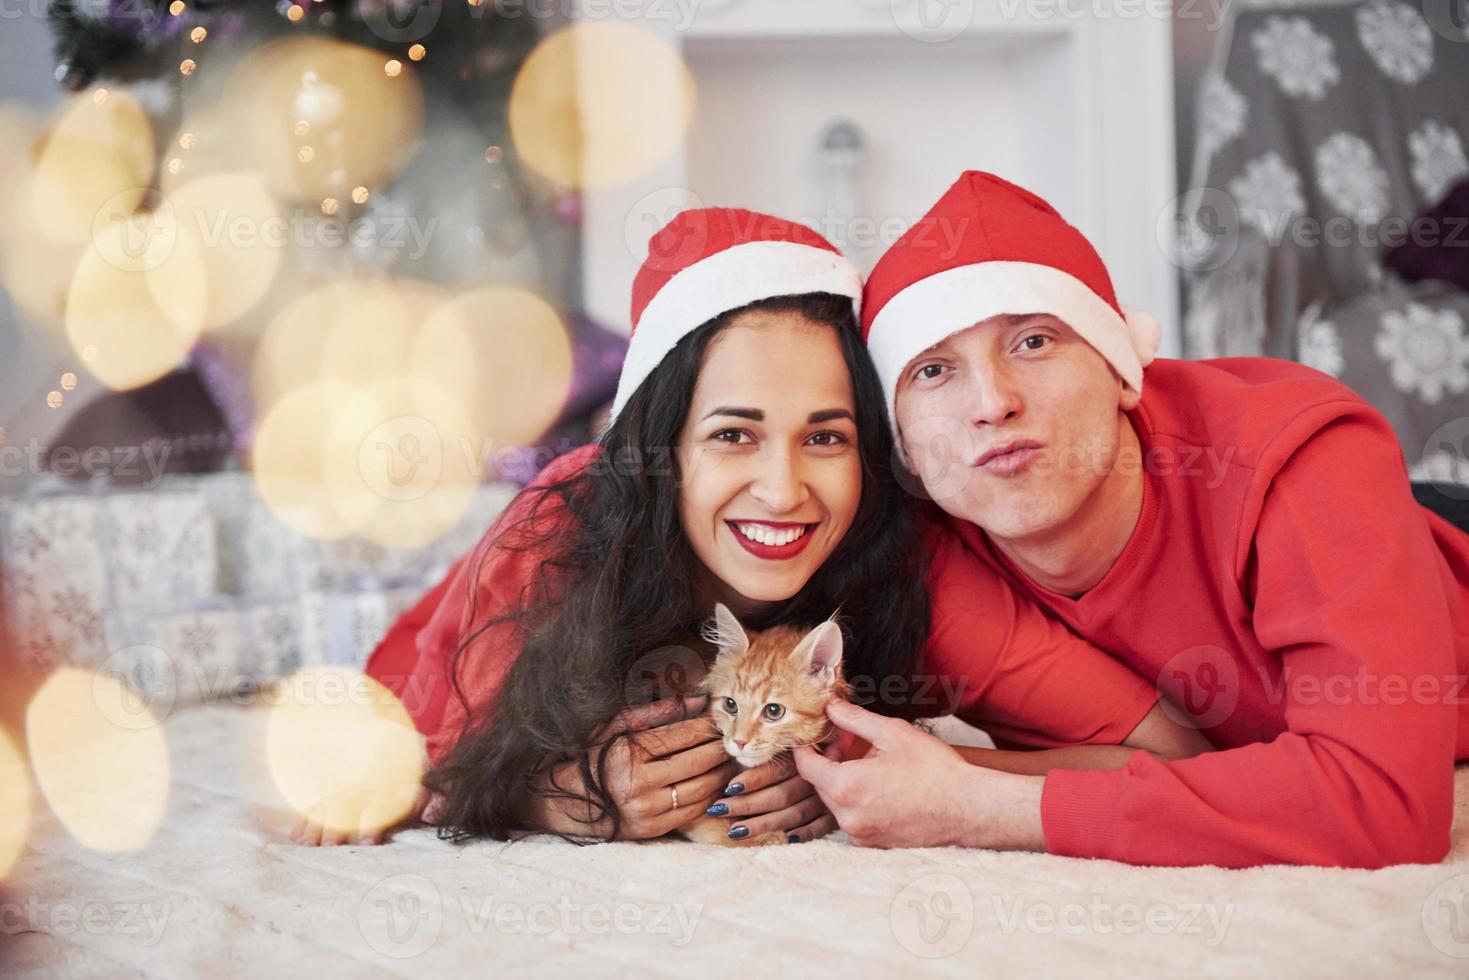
[(956, 299), (727, 280)]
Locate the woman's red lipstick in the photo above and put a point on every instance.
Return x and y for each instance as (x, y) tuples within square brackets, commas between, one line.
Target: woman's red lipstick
[(773, 552)]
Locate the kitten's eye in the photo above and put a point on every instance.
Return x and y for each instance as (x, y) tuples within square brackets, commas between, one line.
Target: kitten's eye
[(730, 706), (773, 712)]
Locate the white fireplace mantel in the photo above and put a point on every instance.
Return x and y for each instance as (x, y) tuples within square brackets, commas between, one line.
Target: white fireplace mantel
[(1071, 98)]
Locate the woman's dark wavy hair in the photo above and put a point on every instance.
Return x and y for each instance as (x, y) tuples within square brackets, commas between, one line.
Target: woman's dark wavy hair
[(624, 575)]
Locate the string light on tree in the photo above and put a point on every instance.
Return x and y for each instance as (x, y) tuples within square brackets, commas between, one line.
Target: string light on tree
[(417, 52), (69, 381), (53, 399), (198, 34), (393, 68), (187, 66)]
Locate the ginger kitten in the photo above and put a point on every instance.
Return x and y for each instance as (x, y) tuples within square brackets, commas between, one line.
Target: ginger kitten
[(767, 694)]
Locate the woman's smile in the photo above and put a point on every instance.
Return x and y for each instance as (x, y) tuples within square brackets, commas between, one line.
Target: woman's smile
[(771, 540)]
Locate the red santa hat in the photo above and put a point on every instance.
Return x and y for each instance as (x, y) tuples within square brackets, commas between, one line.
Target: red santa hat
[(712, 260), (989, 247)]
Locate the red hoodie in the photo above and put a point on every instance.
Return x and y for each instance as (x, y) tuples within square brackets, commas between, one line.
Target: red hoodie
[(1283, 587)]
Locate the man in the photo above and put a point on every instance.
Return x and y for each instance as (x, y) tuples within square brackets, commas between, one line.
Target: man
[(1241, 532)]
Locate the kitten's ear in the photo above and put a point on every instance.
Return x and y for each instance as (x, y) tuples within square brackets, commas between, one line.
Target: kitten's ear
[(725, 632), (820, 651)]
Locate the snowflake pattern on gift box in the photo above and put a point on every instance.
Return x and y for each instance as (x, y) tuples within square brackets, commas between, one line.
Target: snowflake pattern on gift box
[(1438, 159), (73, 607), (31, 543), (1426, 351), (196, 641), (1397, 38), (1268, 194), (1300, 59), (1351, 178), (1319, 346), (1222, 114)]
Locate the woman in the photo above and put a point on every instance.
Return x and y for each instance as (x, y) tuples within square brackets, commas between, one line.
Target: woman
[(748, 462)]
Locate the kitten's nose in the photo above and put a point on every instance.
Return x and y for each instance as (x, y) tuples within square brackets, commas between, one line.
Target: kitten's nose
[(740, 743)]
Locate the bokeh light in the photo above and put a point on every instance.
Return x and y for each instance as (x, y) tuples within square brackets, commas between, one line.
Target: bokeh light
[(363, 125), (15, 804), (100, 759), (238, 231), (370, 329), (139, 297), (597, 105), (99, 152), (342, 750), (402, 463), (506, 353), (292, 463)]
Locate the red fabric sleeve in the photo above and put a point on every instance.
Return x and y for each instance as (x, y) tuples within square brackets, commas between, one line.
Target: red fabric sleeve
[(398, 659), (1346, 591), (1001, 664), (503, 570)]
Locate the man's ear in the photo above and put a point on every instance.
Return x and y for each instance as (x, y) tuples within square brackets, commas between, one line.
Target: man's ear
[(1130, 398), (725, 632)]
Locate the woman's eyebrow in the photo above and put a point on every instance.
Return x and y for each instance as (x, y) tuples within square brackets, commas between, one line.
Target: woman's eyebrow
[(753, 414), (756, 415)]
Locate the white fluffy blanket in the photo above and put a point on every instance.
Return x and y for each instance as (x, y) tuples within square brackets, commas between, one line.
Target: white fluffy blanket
[(217, 893)]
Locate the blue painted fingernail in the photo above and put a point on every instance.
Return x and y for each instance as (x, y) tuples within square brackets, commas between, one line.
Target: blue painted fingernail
[(734, 789), (718, 810), (739, 831), (794, 838)]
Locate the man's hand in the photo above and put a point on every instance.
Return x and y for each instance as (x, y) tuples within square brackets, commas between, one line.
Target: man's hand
[(913, 790)]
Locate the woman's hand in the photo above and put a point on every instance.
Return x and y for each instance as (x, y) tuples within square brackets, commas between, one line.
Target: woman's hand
[(351, 818), (357, 816), (673, 746), (772, 797)]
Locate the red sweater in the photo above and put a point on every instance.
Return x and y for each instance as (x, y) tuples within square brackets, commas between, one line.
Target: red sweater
[(992, 657), (1284, 588)]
